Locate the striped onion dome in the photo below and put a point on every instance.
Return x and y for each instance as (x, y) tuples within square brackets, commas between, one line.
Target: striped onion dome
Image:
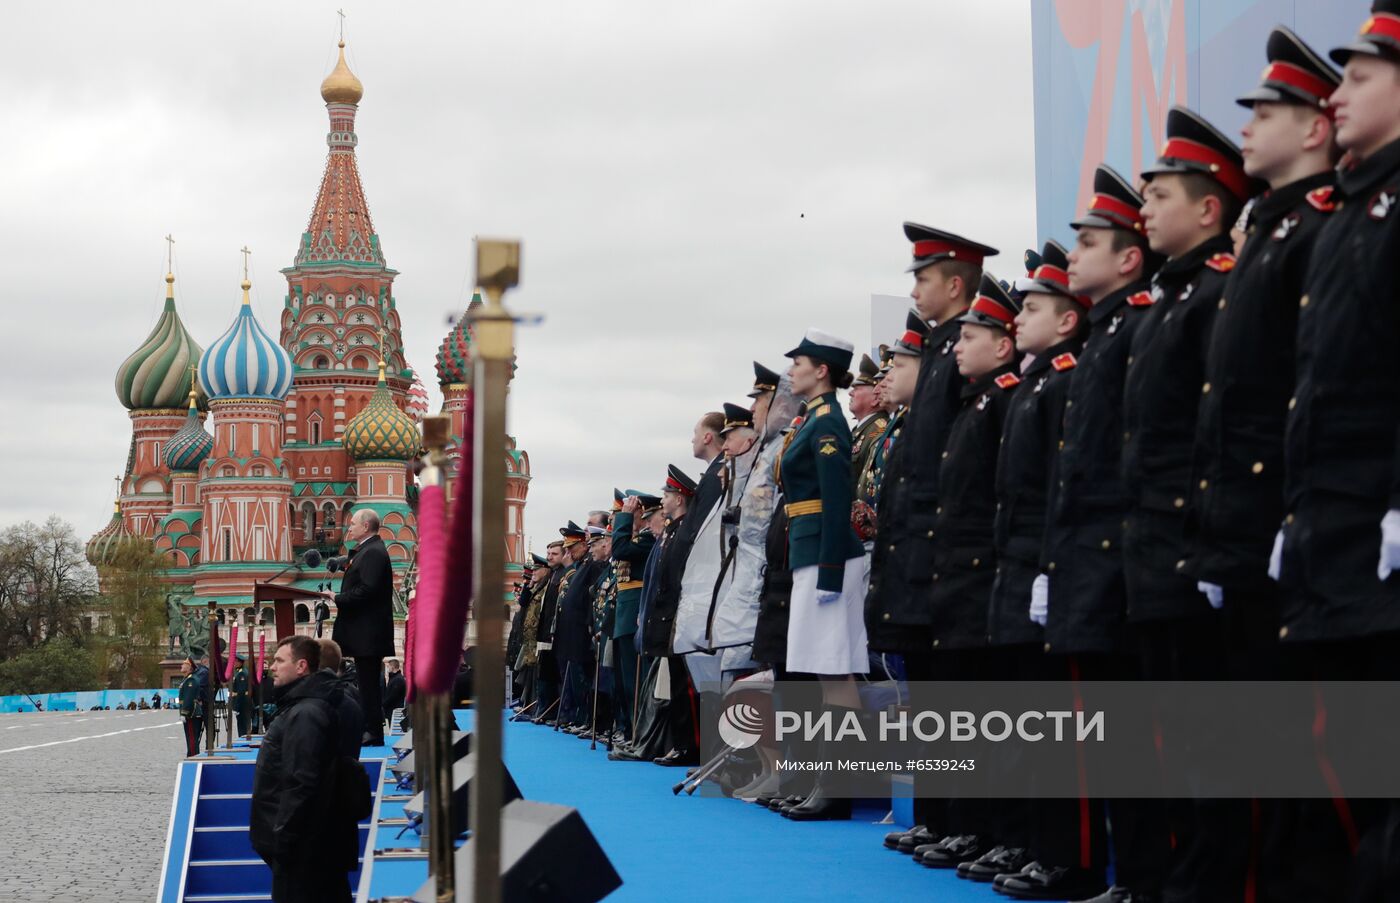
[(417, 399), (245, 362), (454, 357), (382, 431), (190, 445), (111, 539), (157, 375)]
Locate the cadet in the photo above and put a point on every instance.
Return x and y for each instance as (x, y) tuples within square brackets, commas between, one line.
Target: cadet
[(964, 551), (947, 269), (1342, 508), (1194, 192), (238, 696)]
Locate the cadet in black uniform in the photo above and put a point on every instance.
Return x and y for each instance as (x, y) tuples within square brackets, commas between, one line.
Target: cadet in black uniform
[(947, 269), (964, 551), (1340, 542), (1080, 597), (1194, 193)]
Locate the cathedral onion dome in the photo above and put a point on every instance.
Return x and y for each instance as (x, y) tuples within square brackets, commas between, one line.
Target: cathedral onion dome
[(245, 362), (454, 357), (417, 399), (341, 86), (190, 445), (382, 431), (111, 539), (157, 375)]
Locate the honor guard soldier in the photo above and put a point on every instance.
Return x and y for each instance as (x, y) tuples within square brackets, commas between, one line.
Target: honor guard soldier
[(1194, 193), (631, 544), (964, 551), (1340, 539), (238, 698), (947, 269), (1080, 595), (1239, 438), (192, 703)]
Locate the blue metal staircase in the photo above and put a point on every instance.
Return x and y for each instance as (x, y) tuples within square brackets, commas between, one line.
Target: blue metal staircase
[(208, 857)]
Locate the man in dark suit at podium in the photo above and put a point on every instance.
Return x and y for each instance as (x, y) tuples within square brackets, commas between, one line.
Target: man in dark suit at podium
[(364, 619)]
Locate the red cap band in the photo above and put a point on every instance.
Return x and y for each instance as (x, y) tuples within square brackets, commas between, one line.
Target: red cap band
[(1047, 273), (1384, 24), (677, 487), (1102, 203), (912, 339), (932, 248), (1222, 168), (985, 305)]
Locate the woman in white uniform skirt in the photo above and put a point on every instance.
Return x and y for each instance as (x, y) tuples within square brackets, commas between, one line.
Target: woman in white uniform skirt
[(826, 627)]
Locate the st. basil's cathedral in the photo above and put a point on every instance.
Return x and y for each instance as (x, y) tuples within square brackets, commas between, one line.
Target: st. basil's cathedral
[(307, 427)]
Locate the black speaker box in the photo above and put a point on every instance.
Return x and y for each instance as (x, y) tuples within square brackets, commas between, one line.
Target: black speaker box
[(463, 773), (548, 855), (461, 745)]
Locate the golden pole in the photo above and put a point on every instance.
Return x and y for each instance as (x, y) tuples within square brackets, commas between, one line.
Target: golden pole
[(497, 269)]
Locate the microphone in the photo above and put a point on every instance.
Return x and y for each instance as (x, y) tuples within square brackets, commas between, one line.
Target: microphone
[(309, 559), (337, 563)]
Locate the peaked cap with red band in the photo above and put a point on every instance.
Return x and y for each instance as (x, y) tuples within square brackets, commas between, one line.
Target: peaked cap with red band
[(916, 333), (1115, 204), (1195, 146), (1295, 74), (677, 481), (932, 245), (1051, 275), (992, 307), (1380, 35)]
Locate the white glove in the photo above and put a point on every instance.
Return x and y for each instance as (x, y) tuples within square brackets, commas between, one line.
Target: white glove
[(827, 596), (1276, 556), (1215, 594), (1040, 600), (1390, 544)]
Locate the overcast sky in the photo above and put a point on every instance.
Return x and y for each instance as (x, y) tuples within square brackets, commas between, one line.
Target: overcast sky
[(694, 183)]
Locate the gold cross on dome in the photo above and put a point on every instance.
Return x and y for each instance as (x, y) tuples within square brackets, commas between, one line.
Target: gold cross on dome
[(169, 254), (245, 252), (341, 13)]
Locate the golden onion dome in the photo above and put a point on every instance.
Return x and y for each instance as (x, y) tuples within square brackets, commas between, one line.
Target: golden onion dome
[(341, 86), (382, 431)]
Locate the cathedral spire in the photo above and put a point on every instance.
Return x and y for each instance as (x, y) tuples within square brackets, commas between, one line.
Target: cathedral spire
[(340, 230)]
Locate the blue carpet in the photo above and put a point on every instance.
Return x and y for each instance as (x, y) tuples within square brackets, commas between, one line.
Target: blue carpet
[(693, 848)]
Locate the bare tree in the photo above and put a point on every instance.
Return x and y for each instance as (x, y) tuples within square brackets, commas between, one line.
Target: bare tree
[(45, 583)]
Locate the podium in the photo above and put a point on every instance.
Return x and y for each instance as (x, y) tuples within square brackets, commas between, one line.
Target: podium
[(284, 599)]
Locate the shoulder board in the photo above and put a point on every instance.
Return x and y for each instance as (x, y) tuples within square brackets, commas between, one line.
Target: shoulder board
[(1007, 380), (1064, 361), (880, 424), (1221, 263), (1140, 299), (1321, 199), (821, 411)]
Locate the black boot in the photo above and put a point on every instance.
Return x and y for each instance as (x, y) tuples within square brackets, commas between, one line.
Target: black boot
[(821, 805), (1052, 883)]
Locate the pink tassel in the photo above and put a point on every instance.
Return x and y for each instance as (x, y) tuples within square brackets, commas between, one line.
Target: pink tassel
[(232, 653), (449, 629), (262, 652), (410, 688), (432, 574)]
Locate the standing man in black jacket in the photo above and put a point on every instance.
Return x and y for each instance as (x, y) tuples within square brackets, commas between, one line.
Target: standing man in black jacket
[(294, 825), (395, 689), (364, 620)]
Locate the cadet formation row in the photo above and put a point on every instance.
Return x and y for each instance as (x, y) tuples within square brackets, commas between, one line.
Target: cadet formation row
[(1169, 453)]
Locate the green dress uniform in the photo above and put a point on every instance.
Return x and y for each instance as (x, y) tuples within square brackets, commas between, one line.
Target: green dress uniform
[(191, 713), (629, 551)]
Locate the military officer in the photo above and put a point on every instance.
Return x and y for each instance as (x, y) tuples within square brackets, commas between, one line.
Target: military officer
[(572, 637), (192, 689), (1339, 544), (764, 381), (547, 667), (604, 605), (871, 421), (631, 544), (964, 552), (238, 696)]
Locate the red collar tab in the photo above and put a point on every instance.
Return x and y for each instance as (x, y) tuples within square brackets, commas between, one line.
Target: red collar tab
[(985, 305), (1321, 198), (1222, 168), (1063, 362), (1140, 299), (1007, 380), (1102, 203), (1221, 263), (1300, 78), (934, 248)]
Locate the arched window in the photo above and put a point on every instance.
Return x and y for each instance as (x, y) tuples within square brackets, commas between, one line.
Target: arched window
[(248, 617), (321, 362), (303, 614)]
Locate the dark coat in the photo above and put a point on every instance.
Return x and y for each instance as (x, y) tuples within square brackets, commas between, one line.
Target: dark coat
[(964, 552), (1341, 447), (815, 473), (394, 691), (661, 612), (549, 607), (1161, 397), (708, 491), (364, 619), (293, 788), (898, 611), (516, 638), (1083, 552), (1238, 472), (1030, 438), (573, 639), (771, 628), (631, 553)]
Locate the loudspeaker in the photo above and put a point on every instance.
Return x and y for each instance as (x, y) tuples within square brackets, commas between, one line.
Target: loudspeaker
[(463, 772), (461, 745), (548, 855)]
